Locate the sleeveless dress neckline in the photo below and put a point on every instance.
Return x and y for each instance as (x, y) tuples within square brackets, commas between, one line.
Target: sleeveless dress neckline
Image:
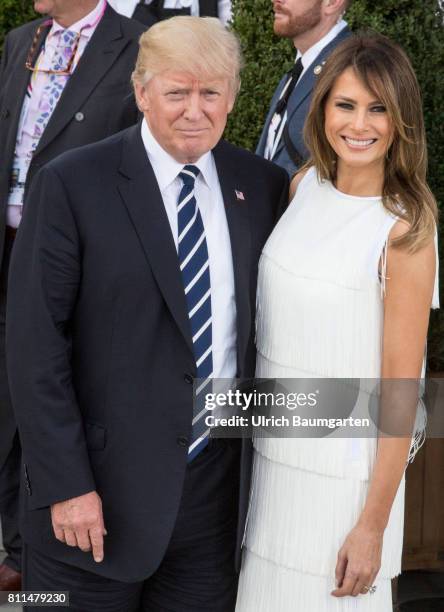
[(349, 196)]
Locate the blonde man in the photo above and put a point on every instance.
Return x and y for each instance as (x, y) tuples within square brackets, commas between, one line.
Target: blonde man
[(141, 278)]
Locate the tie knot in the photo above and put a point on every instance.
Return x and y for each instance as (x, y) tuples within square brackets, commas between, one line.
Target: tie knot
[(189, 174), (67, 38), (295, 72)]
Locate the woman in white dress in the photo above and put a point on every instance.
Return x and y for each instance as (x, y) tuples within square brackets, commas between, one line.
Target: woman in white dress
[(346, 282)]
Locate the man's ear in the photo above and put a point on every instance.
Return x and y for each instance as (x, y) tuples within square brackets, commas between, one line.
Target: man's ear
[(333, 6), (141, 96), (233, 97)]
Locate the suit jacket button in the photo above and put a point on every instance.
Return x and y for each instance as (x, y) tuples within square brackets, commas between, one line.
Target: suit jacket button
[(182, 441), (79, 116), (5, 113), (188, 379)]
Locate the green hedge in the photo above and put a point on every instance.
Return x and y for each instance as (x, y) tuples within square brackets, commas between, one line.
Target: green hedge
[(416, 24), (13, 13)]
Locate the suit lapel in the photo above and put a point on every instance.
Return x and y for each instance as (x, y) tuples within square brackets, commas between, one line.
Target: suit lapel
[(140, 192), (260, 149), (18, 86), (101, 52), (237, 214)]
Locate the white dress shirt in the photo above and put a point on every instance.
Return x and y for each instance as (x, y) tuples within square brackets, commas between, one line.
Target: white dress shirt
[(126, 7), (277, 123), (211, 206)]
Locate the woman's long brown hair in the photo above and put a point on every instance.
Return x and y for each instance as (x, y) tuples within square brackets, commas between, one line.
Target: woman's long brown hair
[(386, 72)]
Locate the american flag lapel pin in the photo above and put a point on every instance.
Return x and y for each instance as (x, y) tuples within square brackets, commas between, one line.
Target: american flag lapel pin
[(239, 195)]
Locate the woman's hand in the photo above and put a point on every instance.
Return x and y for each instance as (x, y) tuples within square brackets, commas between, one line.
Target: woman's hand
[(359, 560)]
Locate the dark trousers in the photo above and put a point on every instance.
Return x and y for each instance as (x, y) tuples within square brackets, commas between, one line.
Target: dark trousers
[(197, 572), (9, 515), (10, 446)]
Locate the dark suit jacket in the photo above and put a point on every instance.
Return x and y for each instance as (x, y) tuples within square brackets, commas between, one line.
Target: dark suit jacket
[(149, 14), (297, 110), (99, 342), (96, 103)]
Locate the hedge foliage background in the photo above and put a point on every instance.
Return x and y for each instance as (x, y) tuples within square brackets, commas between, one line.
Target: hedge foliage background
[(416, 24), (13, 13)]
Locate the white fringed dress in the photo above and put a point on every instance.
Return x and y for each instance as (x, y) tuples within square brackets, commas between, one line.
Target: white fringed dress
[(320, 314)]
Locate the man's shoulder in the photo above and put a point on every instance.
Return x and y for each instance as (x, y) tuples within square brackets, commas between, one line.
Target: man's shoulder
[(334, 42), (102, 156), (243, 159), (27, 30), (130, 27)]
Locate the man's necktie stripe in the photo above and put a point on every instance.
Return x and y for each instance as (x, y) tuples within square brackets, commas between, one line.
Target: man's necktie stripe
[(185, 202), (194, 266), (200, 303), (199, 416), (191, 171), (187, 244), (201, 316), (203, 384), (189, 225), (193, 251), (204, 356), (203, 342), (202, 438), (196, 278), (195, 294), (201, 330)]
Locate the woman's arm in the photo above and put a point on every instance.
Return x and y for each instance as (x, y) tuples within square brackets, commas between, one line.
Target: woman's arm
[(409, 289)]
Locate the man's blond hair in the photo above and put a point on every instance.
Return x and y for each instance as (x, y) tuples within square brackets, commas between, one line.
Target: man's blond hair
[(200, 46)]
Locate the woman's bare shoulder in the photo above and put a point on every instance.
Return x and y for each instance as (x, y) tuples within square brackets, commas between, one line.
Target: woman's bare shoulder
[(295, 182)]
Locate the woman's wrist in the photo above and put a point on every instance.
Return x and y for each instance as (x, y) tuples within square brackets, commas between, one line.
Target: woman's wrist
[(372, 521)]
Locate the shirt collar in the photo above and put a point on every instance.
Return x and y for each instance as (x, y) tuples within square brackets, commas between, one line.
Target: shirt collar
[(311, 54), (166, 168), (89, 22)]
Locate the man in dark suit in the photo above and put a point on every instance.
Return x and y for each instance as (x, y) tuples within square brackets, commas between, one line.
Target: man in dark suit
[(47, 108), (133, 273), (316, 28), (150, 12)]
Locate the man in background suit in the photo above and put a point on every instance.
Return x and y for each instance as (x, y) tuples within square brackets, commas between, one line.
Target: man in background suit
[(64, 82), (134, 273), (316, 28), (151, 11)]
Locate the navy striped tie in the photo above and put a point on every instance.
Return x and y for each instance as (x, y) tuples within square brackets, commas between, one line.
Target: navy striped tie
[(195, 269)]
